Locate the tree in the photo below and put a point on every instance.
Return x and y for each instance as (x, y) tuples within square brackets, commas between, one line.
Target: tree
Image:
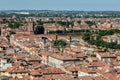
[(90, 23), (12, 32), (59, 31), (10, 25), (99, 42), (39, 22), (16, 24), (8, 37), (79, 22), (67, 24), (86, 36), (8, 60), (59, 44), (39, 30), (93, 55)]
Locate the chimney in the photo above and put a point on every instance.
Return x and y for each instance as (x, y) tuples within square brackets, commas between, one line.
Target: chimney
[(70, 39), (33, 26), (56, 37)]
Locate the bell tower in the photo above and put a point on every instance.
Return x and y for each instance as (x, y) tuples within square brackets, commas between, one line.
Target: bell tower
[(31, 27)]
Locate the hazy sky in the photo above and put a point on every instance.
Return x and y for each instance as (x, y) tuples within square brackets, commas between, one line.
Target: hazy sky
[(60, 4)]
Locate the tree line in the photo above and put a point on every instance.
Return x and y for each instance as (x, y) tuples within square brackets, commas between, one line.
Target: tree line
[(99, 42)]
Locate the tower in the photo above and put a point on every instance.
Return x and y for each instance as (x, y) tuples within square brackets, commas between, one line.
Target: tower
[(31, 27), (4, 31)]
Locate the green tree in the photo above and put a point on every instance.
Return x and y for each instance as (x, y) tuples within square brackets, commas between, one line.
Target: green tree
[(59, 31), (86, 36), (10, 25), (12, 32), (99, 42), (39, 22), (60, 44), (8, 37), (90, 23), (39, 30), (79, 22), (16, 24), (93, 55)]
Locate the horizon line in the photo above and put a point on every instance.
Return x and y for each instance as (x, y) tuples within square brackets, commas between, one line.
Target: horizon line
[(51, 10)]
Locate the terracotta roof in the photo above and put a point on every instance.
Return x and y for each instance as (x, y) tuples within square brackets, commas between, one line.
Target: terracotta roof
[(52, 70), (71, 68), (45, 53), (35, 73), (34, 58), (86, 78), (64, 56), (16, 70), (99, 78), (97, 64), (107, 55)]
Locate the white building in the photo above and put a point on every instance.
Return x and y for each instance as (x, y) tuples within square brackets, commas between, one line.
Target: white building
[(58, 59), (4, 64)]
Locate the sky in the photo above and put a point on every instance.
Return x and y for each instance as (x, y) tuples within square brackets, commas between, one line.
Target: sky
[(85, 5)]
